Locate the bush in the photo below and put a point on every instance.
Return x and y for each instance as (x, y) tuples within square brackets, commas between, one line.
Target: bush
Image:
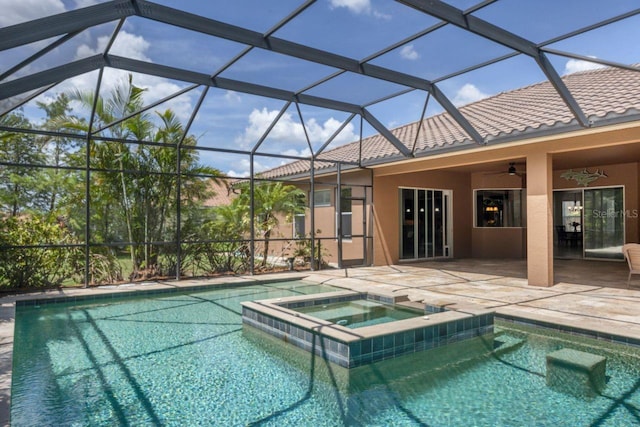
[(30, 266)]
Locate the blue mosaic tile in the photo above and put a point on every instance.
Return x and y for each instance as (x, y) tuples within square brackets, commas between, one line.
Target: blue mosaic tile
[(399, 339), (365, 346), (377, 344), (409, 337), (428, 333), (388, 342), (355, 349), (442, 330)]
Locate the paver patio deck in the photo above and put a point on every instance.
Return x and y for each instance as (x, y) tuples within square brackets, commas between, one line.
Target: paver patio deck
[(587, 295)]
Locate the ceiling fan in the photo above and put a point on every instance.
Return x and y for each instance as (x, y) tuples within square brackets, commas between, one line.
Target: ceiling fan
[(511, 170)]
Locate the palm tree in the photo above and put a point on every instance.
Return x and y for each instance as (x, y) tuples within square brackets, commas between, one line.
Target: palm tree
[(271, 201), (124, 99), (147, 197)]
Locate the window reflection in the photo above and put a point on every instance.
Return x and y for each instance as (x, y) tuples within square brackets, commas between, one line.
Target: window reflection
[(499, 208)]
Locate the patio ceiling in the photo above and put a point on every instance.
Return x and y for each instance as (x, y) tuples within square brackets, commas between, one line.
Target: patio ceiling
[(354, 60)]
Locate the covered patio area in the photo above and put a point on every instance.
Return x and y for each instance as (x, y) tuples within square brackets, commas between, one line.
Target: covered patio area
[(604, 274)]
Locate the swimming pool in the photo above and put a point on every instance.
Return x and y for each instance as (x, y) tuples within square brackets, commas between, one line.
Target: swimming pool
[(185, 359)]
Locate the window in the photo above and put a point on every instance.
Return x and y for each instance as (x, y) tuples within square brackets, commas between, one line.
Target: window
[(345, 212), (322, 198), (298, 225), (499, 208)]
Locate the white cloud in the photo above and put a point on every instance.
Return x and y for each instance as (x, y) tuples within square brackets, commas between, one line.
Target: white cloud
[(126, 44), (241, 168), (85, 3), (467, 94), (131, 46), (381, 15), (289, 133), (322, 132), (575, 65), (355, 6), (232, 97), (358, 7), (15, 12), (408, 52)]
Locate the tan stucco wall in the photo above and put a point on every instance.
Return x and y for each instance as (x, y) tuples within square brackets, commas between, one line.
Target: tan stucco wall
[(432, 172), (325, 219), (386, 210), (589, 148)]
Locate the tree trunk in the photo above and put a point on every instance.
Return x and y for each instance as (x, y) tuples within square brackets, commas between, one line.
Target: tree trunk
[(127, 212), (265, 253)]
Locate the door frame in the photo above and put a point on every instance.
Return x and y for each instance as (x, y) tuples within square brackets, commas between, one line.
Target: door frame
[(447, 235), (582, 190)]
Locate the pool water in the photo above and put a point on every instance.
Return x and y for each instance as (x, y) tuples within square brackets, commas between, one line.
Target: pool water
[(359, 313), (185, 359)]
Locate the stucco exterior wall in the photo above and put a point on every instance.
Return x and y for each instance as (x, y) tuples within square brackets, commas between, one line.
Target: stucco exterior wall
[(452, 172), (386, 210)]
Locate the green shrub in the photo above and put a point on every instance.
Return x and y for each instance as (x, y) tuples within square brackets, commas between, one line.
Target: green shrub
[(25, 265)]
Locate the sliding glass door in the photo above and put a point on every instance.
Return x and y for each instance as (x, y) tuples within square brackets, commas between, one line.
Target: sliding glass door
[(603, 223), (425, 223), (589, 223)]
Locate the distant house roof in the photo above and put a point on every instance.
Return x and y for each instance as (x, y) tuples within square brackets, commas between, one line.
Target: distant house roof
[(222, 194), (606, 95)]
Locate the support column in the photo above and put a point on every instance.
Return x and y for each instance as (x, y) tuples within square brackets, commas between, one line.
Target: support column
[(539, 220)]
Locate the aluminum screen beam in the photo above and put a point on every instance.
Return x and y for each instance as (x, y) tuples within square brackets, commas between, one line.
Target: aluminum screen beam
[(562, 89), (590, 59), (499, 35), (64, 23), (219, 29), (457, 115), (61, 73), (51, 76), (215, 28), (473, 24), (386, 133), (223, 83), (95, 15)]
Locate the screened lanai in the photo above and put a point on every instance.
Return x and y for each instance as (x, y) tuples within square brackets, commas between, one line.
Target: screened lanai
[(140, 139)]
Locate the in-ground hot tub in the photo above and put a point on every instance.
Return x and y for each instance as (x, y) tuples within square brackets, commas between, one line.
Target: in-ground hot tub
[(316, 323), (359, 313)]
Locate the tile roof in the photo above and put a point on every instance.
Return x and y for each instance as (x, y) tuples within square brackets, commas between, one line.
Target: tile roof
[(221, 194), (603, 94)]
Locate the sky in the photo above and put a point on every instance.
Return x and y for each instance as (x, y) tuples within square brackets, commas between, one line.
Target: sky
[(359, 29)]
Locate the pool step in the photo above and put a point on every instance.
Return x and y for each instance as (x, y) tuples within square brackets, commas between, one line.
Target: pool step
[(577, 373)]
